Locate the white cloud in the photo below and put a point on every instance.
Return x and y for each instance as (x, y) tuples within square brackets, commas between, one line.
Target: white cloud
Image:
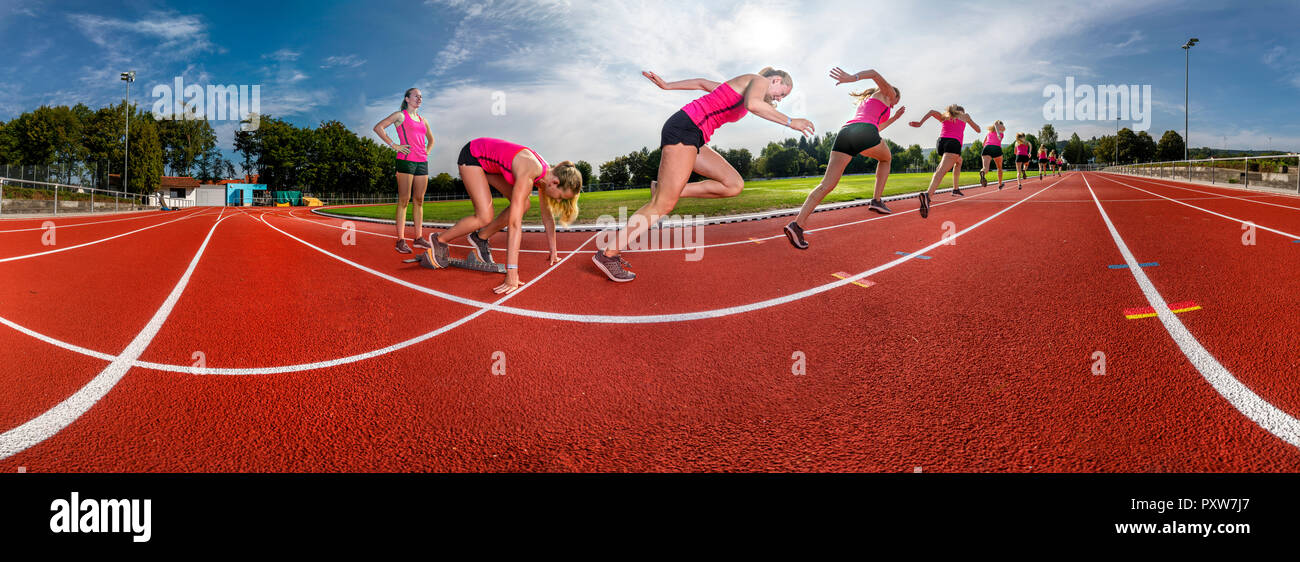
[(165, 35), (574, 89), (1272, 56), (348, 61), (1133, 37), (283, 55)]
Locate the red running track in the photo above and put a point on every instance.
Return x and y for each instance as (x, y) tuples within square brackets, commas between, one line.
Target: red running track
[(263, 340)]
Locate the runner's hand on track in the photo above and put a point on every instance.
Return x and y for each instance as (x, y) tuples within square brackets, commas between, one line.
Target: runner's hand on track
[(512, 283), (555, 258), (803, 126)]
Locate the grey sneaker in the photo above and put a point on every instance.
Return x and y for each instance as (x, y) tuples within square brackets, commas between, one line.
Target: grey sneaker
[(480, 247), (421, 243), (925, 204), (441, 252), (401, 246), (879, 207), (616, 267)]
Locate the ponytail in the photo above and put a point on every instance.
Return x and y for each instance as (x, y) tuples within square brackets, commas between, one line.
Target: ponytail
[(565, 210)]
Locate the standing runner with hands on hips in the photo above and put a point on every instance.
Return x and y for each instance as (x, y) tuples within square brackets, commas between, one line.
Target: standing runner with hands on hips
[(412, 163), (953, 122), (860, 135), (513, 170), (684, 145)]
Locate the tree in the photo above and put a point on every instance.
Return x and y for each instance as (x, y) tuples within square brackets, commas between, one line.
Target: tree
[(184, 141), (1127, 144), (1170, 147), (741, 160), (1144, 147), (970, 156), (1105, 149), (1075, 151), (584, 168), (614, 172), (1047, 137), (146, 165), (912, 157)]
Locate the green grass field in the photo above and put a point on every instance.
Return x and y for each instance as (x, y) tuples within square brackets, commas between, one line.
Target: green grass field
[(759, 195)]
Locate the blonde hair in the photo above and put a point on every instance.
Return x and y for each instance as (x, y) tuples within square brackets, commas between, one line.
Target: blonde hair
[(769, 72), (1020, 139), (997, 124), (1053, 154), (867, 93), (953, 111), (565, 210)]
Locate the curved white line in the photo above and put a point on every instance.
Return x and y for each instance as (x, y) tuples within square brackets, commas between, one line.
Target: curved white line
[(62, 415), (1258, 410), (1255, 224), (1167, 183), (92, 243)]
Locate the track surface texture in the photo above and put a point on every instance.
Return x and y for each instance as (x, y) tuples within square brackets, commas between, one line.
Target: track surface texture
[(994, 336)]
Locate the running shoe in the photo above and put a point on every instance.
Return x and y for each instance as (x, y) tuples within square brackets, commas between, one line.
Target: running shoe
[(402, 248), (957, 193), (925, 204), (879, 206), (421, 243), (616, 268), (999, 186), (480, 247), (794, 233), (984, 182), (441, 252)]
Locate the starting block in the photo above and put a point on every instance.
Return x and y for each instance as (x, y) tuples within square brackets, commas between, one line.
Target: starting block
[(471, 261)]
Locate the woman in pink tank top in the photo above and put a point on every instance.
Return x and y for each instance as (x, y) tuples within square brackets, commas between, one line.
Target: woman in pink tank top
[(1042, 161), (953, 121), (1022, 158), (861, 135), (992, 152), (412, 163), (514, 171), (684, 149)]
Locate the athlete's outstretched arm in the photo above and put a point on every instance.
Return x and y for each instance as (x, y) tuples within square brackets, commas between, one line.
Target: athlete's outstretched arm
[(842, 77), (935, 114), (754, 94), (967, 118), (692, 84)]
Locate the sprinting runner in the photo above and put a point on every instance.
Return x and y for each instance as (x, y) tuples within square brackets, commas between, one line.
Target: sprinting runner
[(954, 121), (1022, 158), (1051, 160), (683, 142), (861, 135), (412, 163), (1042, 160), (513, 170), (992, 151)]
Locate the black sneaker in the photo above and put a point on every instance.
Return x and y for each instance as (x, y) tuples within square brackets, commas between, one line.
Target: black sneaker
[(480, 247), (616, 267), (957, 193), (794, 233), (999, 186), (925, 204), (879, 206), (984, 182), (401, 246)]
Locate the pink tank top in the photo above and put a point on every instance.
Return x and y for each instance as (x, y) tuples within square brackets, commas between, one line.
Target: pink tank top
[(722, 105), (1051, 159), (872, 111), (412, 134), (953, 129), (1022, 149), (1042, 155), (497, 156), (993, 138)]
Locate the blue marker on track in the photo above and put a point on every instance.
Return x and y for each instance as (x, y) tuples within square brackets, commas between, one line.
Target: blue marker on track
[(919, 256), (1125, 266)]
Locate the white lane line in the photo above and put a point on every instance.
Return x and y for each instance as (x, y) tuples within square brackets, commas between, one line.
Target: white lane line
[(690, 248), (1255, 224), (658, 318), (92, 243), (44, 426), (1257, 409), (495, 306), (1217, 195), (360, 356), (87, 223)]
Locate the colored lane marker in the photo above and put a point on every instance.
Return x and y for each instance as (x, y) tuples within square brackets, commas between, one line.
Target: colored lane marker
[(865, 283), (918, 256), (1125, 266), (1148, 312), (755, 240), (1295, 241)]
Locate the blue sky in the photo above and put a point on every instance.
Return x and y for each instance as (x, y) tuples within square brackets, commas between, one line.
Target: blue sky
[(569, 70)]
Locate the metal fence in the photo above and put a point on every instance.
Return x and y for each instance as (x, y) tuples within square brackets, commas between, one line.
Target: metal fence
[(22, 196), (1273, 172)]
